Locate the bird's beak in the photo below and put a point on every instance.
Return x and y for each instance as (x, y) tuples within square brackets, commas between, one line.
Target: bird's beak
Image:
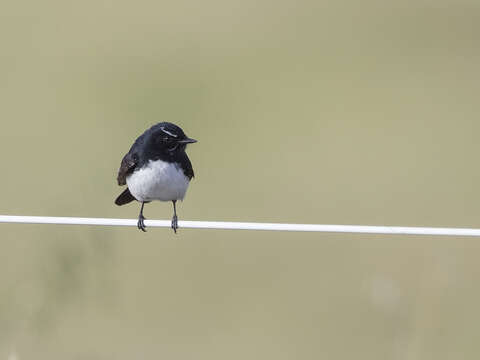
[(187, 141)]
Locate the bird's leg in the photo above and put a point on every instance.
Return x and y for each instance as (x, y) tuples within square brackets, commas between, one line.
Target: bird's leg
[(174, 218), (141, 224)]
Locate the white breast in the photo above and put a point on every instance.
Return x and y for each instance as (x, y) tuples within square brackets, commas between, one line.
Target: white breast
[(158, 180)]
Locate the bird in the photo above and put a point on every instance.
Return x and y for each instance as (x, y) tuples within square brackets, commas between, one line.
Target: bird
[(156, 168)]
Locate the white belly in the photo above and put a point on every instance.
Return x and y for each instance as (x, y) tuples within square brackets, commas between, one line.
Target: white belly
[(158, 180)]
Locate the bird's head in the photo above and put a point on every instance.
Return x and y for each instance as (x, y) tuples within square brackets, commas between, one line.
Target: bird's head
[(169, 138)]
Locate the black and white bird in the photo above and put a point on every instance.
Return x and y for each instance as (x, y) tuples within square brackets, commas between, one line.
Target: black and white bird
[(156, 168)]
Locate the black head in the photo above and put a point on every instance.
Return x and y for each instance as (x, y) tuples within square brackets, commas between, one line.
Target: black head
[(167, 138)]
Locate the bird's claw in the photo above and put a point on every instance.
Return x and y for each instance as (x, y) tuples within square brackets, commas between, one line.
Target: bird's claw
[(175, 223), (141, 224)]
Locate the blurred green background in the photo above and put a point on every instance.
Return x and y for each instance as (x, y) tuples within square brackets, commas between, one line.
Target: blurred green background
[(349, 112)]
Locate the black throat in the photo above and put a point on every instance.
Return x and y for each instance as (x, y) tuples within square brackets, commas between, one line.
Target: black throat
[(145, 151)]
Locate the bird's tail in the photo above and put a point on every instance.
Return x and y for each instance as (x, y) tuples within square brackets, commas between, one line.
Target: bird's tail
[(124, 198)]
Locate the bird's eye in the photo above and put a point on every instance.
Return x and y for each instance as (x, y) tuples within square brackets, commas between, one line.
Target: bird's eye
[(172, 147)]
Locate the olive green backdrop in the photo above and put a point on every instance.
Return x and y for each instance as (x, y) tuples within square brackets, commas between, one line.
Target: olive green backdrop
[(306, 111)]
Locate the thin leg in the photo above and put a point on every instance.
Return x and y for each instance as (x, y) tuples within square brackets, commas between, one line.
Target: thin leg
[(174, 219), (141, 224)]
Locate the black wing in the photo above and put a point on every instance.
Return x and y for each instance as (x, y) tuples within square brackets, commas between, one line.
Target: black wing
[(186, 166), (129, 162), (188, 170)]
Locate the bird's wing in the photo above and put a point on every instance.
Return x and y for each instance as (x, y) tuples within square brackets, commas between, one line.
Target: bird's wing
[(186, 166), (189, 170), (127, 166)]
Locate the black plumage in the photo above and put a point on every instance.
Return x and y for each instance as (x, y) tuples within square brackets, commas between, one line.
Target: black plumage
[(164, 142)]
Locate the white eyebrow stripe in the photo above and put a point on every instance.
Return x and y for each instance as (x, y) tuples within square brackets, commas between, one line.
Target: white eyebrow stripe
[(168, 132)]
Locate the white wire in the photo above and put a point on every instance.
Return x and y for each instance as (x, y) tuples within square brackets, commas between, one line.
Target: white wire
[(394, 230)]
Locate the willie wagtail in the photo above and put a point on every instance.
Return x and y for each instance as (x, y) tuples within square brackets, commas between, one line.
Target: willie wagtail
[(156, 168)]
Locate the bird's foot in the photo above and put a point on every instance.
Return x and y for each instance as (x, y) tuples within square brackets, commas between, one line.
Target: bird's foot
[(141, 224), (175, 223)]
